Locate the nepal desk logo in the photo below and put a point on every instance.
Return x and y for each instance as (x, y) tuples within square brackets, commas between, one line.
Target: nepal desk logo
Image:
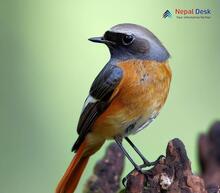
[(167, 14)]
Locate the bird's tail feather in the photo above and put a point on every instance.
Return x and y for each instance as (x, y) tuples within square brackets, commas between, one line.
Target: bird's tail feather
[(71, 178)]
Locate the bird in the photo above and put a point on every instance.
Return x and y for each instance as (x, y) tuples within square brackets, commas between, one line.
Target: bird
[(125, 97)]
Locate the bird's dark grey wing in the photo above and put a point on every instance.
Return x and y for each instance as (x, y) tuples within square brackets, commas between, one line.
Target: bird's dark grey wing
[(98, 100)]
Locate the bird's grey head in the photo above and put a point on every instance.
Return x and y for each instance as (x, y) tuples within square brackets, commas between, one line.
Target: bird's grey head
[(131, 41)]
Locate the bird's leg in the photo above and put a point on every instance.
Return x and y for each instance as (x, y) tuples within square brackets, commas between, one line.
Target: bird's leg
[(136, 166), (118, 141), (146, 162)]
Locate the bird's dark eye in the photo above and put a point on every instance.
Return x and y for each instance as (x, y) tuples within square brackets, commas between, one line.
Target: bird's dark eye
[(127, 39)]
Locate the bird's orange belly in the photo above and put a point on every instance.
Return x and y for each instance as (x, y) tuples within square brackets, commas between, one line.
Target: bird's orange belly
[(137, 100)]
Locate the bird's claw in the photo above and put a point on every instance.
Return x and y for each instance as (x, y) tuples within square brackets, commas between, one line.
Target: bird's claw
[(139, 168), (149, 164)]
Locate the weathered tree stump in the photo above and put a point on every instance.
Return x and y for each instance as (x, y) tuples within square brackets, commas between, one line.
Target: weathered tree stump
[(172, 174)]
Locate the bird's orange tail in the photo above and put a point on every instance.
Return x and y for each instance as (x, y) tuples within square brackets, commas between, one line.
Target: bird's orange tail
[(71, 178)]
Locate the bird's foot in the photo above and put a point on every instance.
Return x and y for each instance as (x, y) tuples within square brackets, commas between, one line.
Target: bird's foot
[(149, 164), (139, 168)]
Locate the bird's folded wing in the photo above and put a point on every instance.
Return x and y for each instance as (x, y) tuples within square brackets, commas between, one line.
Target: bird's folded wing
[(99, 98)]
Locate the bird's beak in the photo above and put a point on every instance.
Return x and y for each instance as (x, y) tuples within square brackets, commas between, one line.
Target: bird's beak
[(100, 40), (97, 39)]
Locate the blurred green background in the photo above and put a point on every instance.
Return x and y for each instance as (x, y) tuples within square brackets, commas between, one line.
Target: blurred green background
[(47, 67)]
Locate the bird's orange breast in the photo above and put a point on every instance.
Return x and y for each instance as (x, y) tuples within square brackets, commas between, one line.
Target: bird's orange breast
[(141, 94)]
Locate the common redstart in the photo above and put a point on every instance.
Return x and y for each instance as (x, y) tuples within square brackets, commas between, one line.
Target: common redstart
[(125, 97)]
